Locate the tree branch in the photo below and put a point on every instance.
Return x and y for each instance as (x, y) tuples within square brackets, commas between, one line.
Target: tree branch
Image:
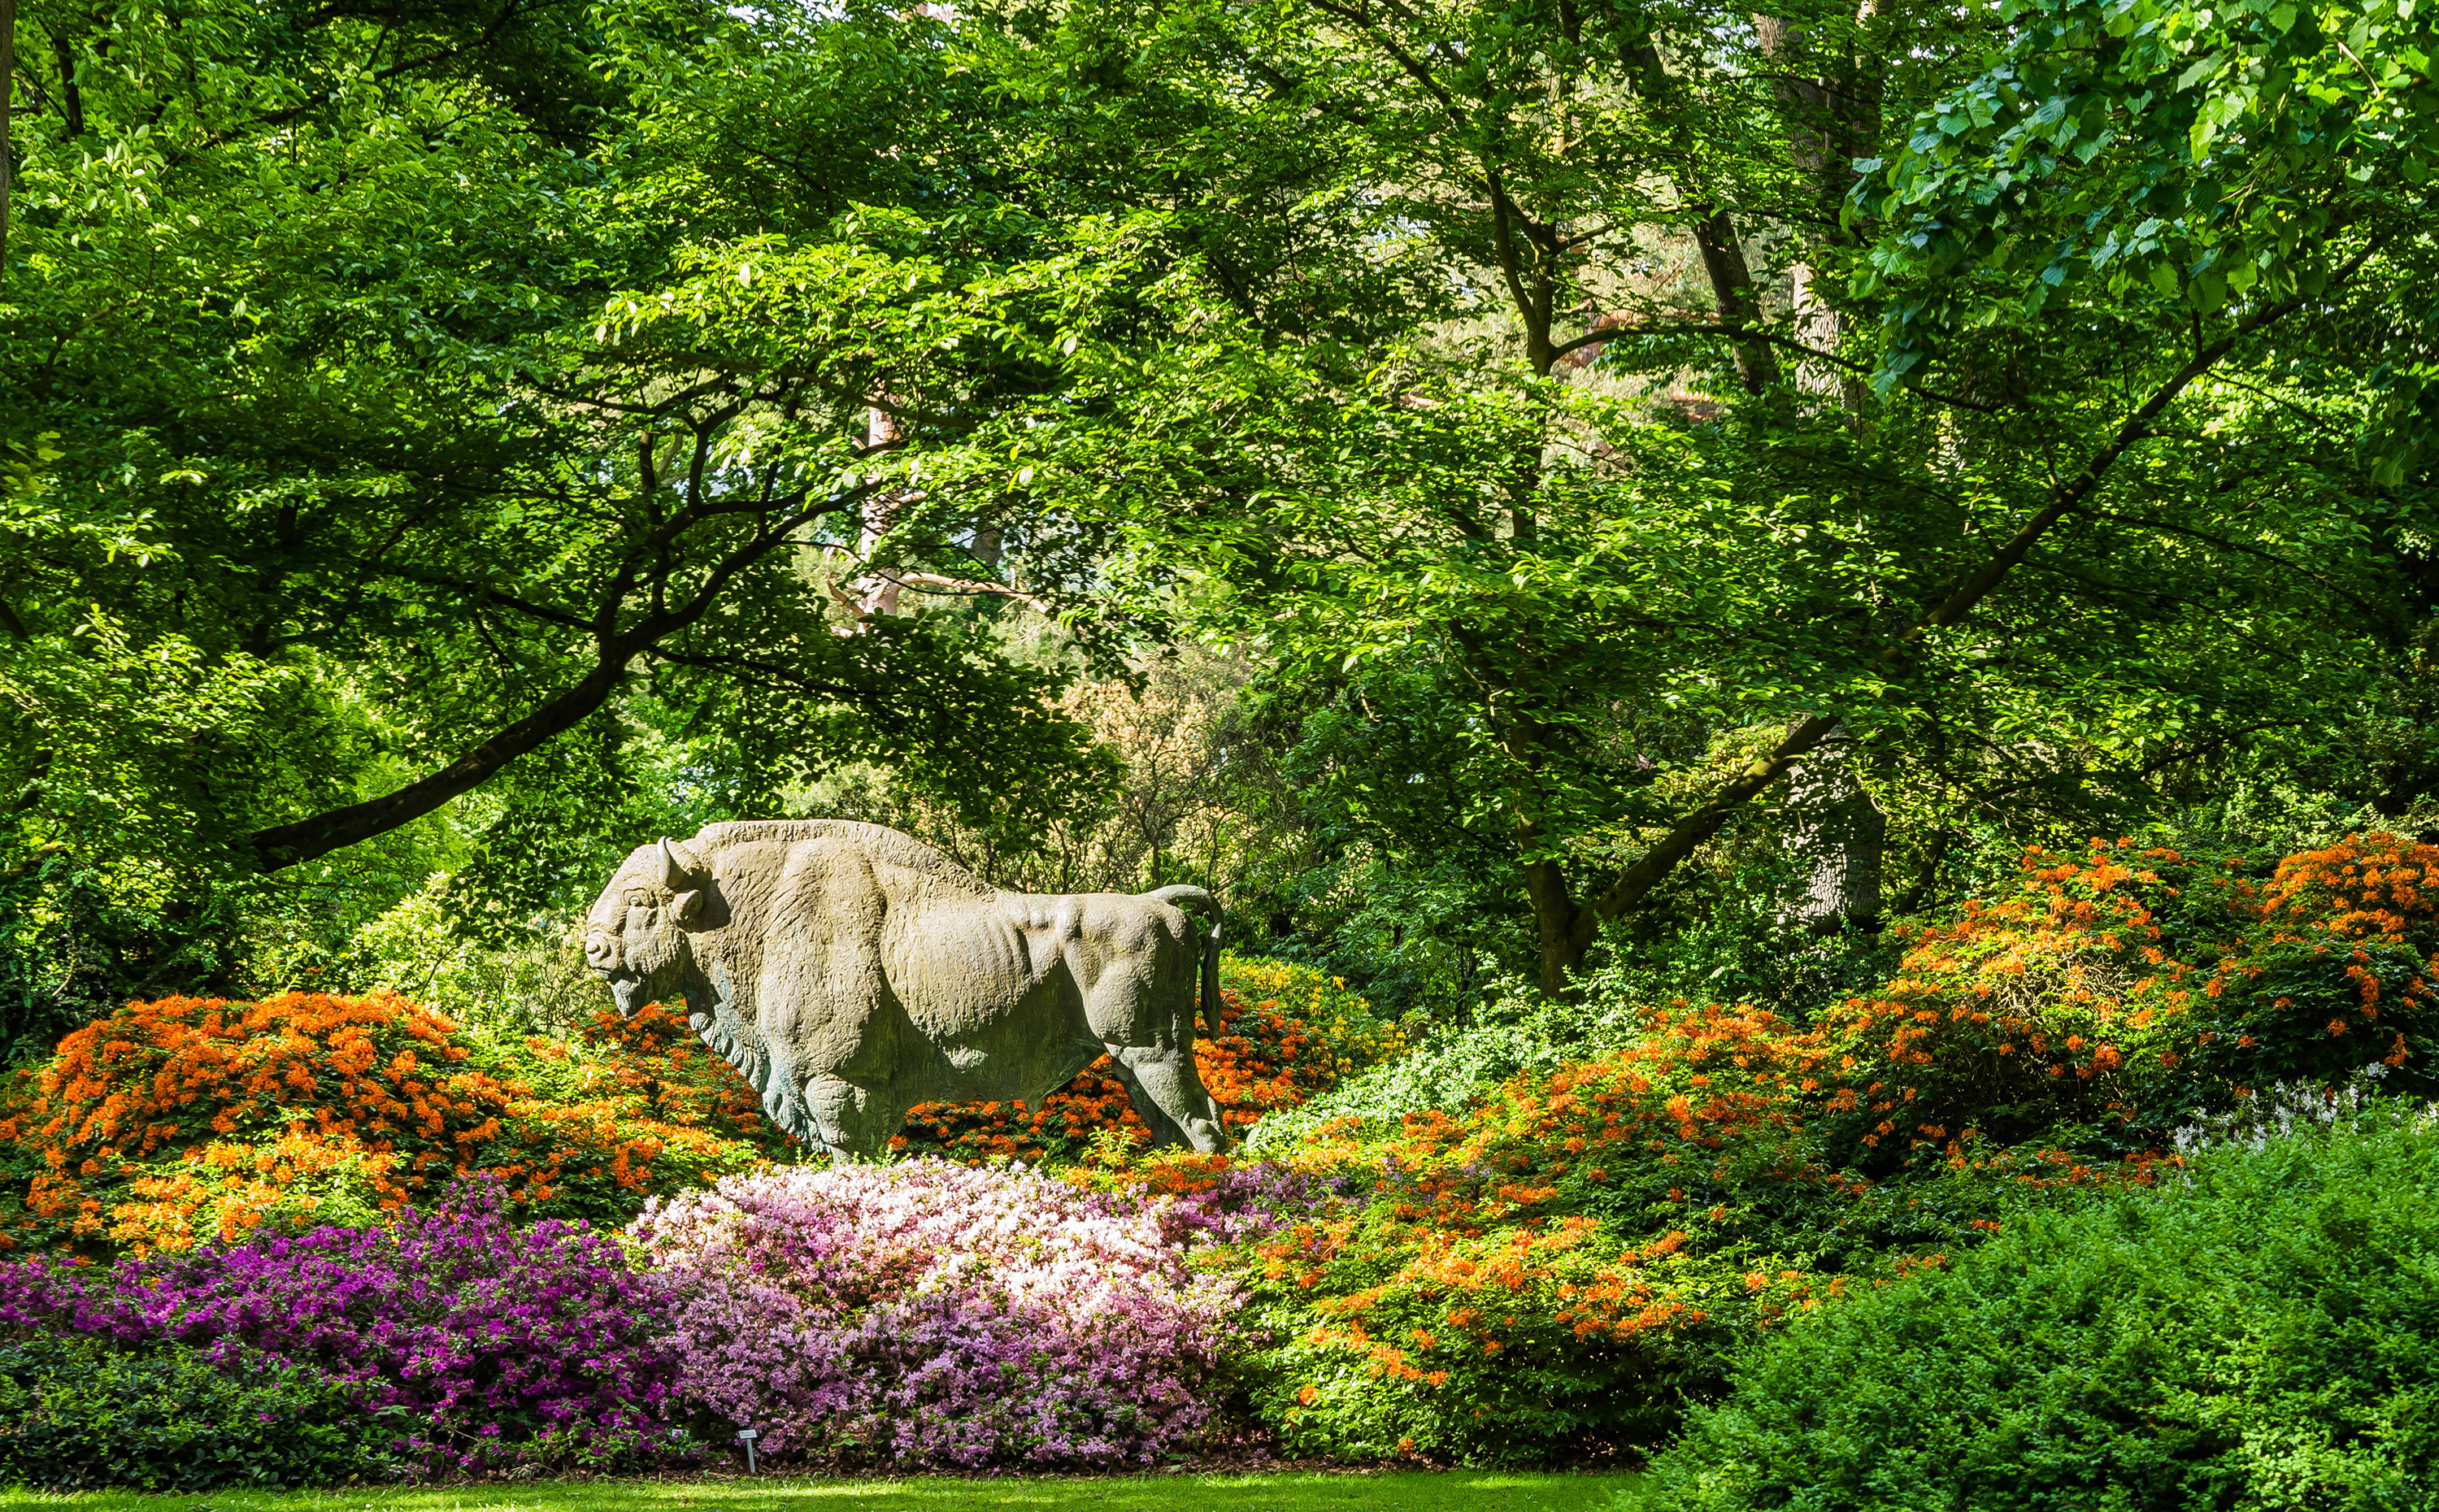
[(283, 846), (2387, 624), (932, 580), (8, 109), (1696, 828)]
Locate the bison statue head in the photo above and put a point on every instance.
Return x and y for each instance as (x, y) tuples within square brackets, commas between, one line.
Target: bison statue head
[(636, 934)]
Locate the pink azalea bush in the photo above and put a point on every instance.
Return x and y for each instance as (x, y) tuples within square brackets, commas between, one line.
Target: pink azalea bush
[(934, 1315)]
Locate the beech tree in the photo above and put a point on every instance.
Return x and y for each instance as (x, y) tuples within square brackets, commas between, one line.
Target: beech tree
[(407, 404), (446, 410), (2007, 465), (1595, 404)]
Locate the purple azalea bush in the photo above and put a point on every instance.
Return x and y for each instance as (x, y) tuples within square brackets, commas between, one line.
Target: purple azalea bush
[(934, 1315), (919, 1315), (488, 1343)]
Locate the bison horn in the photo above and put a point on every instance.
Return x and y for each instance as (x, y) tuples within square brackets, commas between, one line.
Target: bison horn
[(677, 864)]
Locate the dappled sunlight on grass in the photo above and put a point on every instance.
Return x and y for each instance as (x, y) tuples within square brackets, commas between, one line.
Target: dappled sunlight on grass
[(1382, 1492)]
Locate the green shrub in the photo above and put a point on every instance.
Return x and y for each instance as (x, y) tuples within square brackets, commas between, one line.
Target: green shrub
[(77, 1414), (2261, 1334), (1516, 1031)]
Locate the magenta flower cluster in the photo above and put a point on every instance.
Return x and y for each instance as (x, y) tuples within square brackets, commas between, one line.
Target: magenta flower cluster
[(934, 1315), (489, 1343)]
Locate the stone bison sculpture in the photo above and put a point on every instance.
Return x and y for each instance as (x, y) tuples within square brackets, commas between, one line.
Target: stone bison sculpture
[(851, 973)]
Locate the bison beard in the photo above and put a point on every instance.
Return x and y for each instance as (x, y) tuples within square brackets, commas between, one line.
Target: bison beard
[(850, 973)]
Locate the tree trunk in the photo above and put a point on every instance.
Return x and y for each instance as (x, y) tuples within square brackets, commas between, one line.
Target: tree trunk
[(8, 110), (1829, 120), (1739, 297), (1555, 916), (876, 593), (1836, 832), (1715, 233)]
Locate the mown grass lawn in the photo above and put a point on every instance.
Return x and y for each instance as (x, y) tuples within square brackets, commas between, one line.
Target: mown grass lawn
[(1400, 1491)]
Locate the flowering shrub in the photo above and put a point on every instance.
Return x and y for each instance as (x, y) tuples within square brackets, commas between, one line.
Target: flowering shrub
[(196, 1119), (929, 1314), (1346, 1035), (1287, 1032), (1541, 1273), (627, 1109), (1565, 1260), (485, 1342), (1558, 1269), (1555, 1268), (2130, 990)]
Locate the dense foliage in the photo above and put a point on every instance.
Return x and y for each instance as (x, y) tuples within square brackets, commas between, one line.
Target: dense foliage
[(1573, 517), (1573, 416), (80, 1412), (2256, 1333)]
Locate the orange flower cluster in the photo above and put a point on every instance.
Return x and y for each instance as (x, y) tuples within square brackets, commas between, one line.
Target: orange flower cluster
[(326, 1081), (1498, 1283), (1507, 1275), (1481, 1234), (2130, 987), (2374, 888), (1590, 1224), (1263, 1058), (628, 1107), (189, 1118)]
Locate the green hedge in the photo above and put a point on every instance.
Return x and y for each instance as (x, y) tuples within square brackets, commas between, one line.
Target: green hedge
[(2261, 1334), (77, 1414)]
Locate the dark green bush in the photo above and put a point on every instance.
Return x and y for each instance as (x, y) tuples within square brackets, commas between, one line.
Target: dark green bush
[(2264, 1334), (77, 1414)]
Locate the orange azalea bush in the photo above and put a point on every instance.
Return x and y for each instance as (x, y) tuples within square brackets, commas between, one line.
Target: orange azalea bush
[(189, 1120), (2127, 990), (629, 1108), (1555, 1268), (1498, 1288), (1286, 1032)]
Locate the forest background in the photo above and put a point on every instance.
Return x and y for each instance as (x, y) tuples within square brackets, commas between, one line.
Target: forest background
[(1494, 489)]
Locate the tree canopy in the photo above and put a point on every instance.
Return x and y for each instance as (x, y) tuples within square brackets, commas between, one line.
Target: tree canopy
[(471, 436)]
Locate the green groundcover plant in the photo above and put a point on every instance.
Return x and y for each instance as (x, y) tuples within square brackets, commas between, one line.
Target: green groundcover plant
[(79, 1412), (2261, 1333)]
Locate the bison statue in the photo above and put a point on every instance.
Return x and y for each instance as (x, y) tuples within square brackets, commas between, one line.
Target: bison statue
[(851, 973)]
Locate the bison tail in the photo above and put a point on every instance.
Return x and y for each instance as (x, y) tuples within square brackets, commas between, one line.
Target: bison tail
[(1194, 900)]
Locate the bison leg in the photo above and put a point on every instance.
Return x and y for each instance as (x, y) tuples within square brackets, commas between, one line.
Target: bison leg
[(1164, 1132), (856, 1121), (1160, 1083)]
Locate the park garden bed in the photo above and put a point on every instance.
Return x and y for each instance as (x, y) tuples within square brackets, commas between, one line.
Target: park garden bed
[(320, 1240)]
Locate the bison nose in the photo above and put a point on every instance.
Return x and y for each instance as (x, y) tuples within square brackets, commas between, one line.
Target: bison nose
[(601, 951)]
